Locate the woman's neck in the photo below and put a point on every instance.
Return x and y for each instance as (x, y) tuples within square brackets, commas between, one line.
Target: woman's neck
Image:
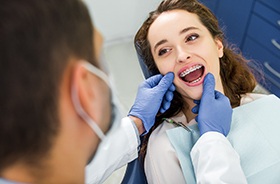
[(187, 109)]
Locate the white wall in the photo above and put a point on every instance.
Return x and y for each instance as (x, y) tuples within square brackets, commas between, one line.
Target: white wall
[(118, 21), (119, 18)]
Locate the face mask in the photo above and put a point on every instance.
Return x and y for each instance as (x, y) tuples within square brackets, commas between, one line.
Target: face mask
[(77, 105), (102, 164), (104, 147)]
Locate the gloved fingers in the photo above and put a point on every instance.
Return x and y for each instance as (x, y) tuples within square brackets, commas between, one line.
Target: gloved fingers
[(172, 87), (164, 106), (166, 101), (196, 118), (197, 102), (195, 109), (208, 86), (166, 82), (168, 96), (153, 81), (218, 94), (162, 110), (221, 96)]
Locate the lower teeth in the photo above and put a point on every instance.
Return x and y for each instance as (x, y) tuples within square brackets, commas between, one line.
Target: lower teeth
[(196, 80)]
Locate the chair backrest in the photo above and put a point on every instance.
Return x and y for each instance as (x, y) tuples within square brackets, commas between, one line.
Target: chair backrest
[(134, 173)]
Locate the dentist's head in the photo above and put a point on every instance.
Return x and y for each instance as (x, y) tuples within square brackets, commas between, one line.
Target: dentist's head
[(55, 103)]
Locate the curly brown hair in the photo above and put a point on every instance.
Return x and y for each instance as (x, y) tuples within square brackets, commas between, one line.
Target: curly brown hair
[(236, 75)]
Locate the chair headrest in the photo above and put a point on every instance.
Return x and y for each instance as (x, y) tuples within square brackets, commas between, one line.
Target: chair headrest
[(147, 73)]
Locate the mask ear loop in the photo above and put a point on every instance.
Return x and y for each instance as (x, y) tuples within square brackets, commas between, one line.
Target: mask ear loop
[(84, 115), (77, 104), (97, 72)]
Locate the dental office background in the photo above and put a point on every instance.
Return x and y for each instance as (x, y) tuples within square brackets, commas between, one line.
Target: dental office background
[(253, 25)]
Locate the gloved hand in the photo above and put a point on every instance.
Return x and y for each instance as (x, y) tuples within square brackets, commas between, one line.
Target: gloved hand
[(154, 94), (214, 109)]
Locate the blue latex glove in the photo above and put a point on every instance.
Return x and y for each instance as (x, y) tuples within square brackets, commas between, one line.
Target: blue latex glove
[(214, 109), (154, 94)]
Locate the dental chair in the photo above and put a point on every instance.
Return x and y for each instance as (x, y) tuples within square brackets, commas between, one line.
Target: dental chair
[(146, 72), (135, 169), (134, 173)]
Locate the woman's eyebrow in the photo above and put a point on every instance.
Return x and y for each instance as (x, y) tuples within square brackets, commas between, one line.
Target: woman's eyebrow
[(187, 29), (159, 43)]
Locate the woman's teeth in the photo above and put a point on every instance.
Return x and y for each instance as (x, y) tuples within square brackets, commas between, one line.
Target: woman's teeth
[(196, 80), (193, 74), (189, 70)]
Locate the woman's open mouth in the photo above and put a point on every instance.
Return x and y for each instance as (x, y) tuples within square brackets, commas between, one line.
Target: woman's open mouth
[(192, 75)]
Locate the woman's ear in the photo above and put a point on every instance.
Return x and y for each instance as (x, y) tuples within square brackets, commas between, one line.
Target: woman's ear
[(220, 47)]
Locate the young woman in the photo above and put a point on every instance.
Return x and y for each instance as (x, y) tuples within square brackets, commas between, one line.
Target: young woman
[(183, 37)]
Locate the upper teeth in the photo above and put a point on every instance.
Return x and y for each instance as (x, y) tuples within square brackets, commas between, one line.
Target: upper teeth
[(189, 70)]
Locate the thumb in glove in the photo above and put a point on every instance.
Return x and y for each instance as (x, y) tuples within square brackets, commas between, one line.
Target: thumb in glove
[(153, 94), (214, 109)]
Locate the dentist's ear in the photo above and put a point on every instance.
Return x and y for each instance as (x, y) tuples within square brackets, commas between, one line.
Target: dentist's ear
[(82, 84), (93, 94)]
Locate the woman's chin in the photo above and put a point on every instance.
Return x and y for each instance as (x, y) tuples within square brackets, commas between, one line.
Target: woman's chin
[(197, 97)]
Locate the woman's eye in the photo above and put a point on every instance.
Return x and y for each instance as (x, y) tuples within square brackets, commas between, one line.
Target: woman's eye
[(162, 51), (192, 37)]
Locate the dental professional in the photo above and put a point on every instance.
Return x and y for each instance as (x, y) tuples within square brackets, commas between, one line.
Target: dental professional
[(58, 112), (57, 108)]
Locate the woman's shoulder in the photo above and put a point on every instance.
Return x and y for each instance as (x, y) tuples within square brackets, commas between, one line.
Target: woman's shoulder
[(249, 97), (159, 134), (159, 142), (161, 157)]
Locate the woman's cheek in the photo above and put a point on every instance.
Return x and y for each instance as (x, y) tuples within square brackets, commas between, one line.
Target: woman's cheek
[(165, 69)]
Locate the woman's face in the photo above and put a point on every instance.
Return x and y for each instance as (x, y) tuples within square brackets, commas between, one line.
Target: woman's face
[(181, 44)]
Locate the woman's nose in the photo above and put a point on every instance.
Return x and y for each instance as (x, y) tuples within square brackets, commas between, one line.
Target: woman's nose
[(183, 56)]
